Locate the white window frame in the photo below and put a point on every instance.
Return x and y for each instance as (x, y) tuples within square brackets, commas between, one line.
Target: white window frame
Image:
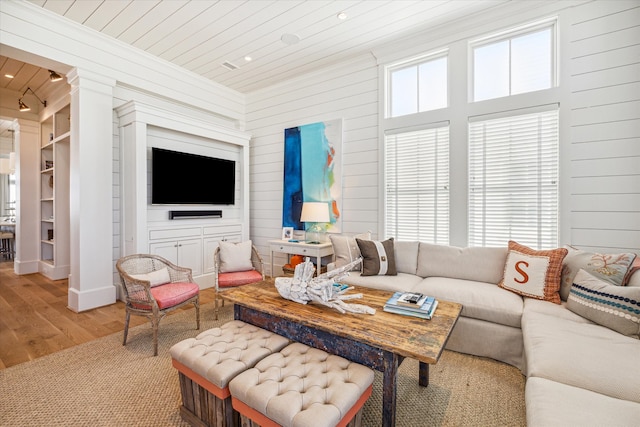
[(417, 61), (551, 23), (460, 109)]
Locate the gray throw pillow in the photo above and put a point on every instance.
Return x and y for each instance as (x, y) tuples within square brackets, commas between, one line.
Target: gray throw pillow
[(346, 249), (615, 307), (378, 258)]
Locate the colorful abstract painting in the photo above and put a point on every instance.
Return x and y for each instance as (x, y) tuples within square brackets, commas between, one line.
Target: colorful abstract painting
[(312, 171)]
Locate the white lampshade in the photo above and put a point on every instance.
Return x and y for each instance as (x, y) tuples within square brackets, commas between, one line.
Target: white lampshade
[(315, 212)]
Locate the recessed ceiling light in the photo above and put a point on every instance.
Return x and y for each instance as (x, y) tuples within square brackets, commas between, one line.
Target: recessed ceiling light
[(342, 16), (248, 58), (289, 39), (9, 76)]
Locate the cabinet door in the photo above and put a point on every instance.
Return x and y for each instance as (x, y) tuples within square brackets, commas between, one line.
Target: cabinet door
[(210, 245), (190, 255), (167, 250)]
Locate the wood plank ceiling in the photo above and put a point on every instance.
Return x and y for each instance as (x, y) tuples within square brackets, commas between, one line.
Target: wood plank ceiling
[(203, 35)]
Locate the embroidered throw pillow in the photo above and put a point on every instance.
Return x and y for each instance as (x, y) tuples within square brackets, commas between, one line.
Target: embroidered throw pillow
[(346, 249), (155, 278), (613, 268), (532, 273), (615, 307), (235, 256), (378, 258)]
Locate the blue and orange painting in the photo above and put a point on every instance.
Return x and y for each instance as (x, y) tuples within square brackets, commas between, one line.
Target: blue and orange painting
[(312, 171)]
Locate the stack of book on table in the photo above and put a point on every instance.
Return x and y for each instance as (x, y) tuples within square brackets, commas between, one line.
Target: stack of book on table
[(411, 304)]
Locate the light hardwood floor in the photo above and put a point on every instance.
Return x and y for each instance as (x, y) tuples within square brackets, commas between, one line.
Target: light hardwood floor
[(35, 320)]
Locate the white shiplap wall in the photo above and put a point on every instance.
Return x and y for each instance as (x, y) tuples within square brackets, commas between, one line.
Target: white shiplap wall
[(604, 68), (349, 92), (601, 134)]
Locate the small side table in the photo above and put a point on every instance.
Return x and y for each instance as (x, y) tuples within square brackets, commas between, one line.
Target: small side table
[(305, 249)]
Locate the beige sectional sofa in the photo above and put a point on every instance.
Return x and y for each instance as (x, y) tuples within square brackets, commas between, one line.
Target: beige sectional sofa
[(578, 372)]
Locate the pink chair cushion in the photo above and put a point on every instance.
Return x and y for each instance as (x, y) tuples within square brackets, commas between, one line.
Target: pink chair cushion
[(237, 278), (171, 294)]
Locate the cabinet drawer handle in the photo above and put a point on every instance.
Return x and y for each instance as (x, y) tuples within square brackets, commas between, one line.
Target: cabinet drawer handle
[(304, 250), (281, 247)]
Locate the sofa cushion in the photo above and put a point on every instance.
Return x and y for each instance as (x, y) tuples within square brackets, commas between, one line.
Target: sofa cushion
[(579, 407), (615, 307), (481, 264), (346, 249), (235, 256), (238, 278), (613, 268), (406, 256), (170, 294), (532, 273), (582, 355), (402, 282), (480, 300), (378, 258), (557, 310)]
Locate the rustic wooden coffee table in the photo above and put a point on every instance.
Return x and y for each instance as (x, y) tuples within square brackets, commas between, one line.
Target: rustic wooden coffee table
[(380, 341)]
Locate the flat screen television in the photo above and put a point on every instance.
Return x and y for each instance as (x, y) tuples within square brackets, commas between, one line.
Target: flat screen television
[(189, 179)]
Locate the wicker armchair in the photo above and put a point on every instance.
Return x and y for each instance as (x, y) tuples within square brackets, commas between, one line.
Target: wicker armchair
[(236, 278), (153, 287)]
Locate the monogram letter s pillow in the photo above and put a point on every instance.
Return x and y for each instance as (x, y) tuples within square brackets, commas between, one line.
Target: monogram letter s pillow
[(534, 274)]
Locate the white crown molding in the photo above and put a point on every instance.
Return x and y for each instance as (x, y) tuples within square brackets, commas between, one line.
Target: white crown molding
[(135, 111)]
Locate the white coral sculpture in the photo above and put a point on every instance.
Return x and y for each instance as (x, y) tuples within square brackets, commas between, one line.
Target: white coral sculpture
[(303, 287)]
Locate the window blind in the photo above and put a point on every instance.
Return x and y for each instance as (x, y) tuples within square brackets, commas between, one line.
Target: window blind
[(513, 180), (417, 185)]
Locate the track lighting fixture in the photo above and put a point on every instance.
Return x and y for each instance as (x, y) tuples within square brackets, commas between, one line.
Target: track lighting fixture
[(24, 107), (54, 77)]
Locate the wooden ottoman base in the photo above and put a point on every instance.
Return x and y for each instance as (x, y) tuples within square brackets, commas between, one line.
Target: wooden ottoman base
[(249, 417), (202, 408)]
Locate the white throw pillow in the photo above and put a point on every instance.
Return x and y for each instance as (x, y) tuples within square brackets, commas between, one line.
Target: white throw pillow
[(346, 249), (235, 257), (156, 278)]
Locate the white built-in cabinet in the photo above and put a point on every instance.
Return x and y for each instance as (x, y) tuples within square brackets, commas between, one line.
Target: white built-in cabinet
[(193, 247), (181, 246), (54, 194), (148, 228)]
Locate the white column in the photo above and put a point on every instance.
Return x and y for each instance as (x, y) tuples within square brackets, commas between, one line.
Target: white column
[(90, 192), (27, 146)]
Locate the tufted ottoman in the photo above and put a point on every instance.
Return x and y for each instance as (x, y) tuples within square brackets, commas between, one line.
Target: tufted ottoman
[(209, 361), (302, 387)]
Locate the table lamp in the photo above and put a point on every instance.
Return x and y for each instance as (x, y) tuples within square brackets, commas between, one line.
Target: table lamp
[(315, 212)]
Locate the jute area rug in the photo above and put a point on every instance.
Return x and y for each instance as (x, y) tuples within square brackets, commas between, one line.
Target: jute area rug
[(102, 383)]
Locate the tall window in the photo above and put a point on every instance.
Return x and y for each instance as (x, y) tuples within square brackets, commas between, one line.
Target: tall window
[(417, 185), (418, 86), (516, 63), (513, 180)]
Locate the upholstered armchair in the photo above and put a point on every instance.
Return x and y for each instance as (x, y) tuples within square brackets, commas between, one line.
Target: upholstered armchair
[(236, 264), (153, 287)]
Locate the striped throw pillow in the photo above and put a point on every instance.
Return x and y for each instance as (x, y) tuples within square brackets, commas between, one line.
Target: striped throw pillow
[(615, 307), (378, 258)]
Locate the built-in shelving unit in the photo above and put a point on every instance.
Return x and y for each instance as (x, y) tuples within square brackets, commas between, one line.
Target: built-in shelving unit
[(54, 194)]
